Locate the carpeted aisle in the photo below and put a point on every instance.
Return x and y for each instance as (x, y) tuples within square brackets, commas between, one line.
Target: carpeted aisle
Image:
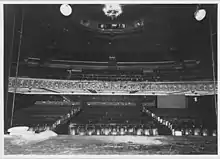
[(110, 145)]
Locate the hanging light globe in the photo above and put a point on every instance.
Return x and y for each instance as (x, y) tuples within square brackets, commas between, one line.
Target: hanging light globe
[(66, 9), (200, 14)]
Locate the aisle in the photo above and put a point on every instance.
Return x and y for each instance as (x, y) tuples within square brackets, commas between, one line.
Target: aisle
[(124, 145)]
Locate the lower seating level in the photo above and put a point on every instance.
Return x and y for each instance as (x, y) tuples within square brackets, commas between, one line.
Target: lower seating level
[(115, 119)]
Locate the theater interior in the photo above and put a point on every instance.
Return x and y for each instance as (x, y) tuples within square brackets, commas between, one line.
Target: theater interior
[(100, 73)]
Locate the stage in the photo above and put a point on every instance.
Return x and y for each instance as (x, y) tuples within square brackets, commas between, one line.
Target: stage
[(113, 145)]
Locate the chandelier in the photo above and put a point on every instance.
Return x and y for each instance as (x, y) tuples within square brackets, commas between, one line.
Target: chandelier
[(112, 10)]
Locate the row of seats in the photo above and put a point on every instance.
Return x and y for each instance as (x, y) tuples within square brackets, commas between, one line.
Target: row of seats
[(178, 128), (133, 78), (109, 129), (63, 119), (195, 132), (40, 128)]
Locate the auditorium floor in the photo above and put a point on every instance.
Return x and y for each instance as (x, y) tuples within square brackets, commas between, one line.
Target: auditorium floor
[(115, 145)]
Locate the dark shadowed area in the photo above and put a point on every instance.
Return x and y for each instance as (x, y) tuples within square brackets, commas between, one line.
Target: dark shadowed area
[(170, 33)]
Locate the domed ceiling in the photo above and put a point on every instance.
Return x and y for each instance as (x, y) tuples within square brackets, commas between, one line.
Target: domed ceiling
[(168, 32)]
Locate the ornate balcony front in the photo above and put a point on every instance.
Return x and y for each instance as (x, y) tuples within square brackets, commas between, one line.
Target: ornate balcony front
[(71, 87)]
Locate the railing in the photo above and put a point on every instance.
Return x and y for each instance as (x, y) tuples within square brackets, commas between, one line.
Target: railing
[(66, 117), (158, 119), (176, 131)]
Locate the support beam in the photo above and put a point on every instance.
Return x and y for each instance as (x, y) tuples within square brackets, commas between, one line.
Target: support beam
[(11, 25)]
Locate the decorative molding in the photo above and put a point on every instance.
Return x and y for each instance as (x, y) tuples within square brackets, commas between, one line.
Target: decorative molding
[(52, 86), (112, 10)]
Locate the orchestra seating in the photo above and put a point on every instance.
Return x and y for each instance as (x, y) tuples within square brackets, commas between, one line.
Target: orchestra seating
[(40, 115), (116, 119)]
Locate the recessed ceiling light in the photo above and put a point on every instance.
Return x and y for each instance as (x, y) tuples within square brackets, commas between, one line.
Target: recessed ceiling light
[(66, 9), (65, 30)]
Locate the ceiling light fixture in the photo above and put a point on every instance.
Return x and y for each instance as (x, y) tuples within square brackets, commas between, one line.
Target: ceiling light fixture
[(112, 10), (200, 13), (66, 9), (195, 99)]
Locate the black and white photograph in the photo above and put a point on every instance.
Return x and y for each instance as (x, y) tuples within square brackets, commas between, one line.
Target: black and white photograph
[(110, 78)]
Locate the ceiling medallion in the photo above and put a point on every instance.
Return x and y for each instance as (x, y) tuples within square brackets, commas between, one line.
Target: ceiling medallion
[(112, 10)]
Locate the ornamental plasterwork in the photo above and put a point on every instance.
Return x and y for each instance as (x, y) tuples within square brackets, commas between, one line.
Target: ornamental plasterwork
[(50, 86), (112, 10)]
